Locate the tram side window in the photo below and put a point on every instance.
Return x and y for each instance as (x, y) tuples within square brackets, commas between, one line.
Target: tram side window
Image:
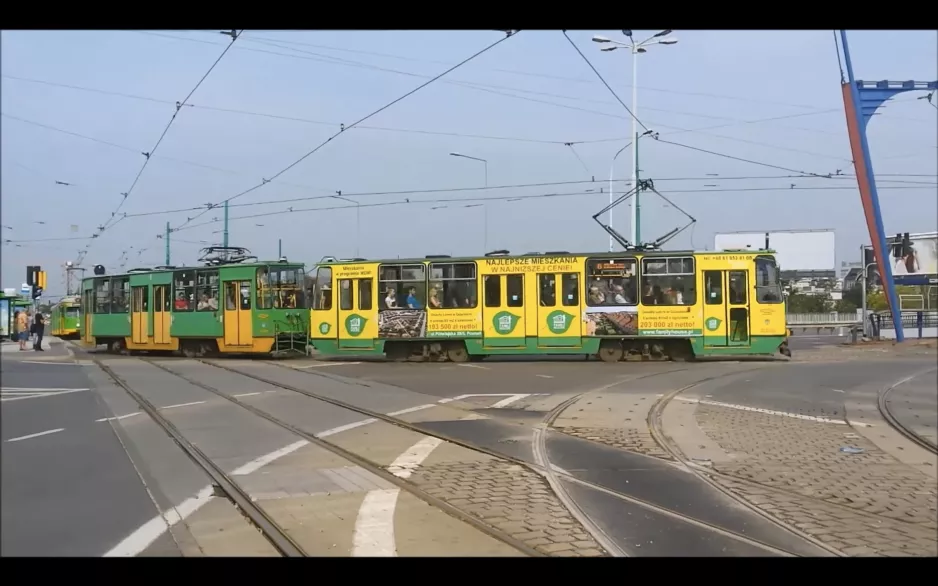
[(207, 290), (120, 295), (102, 296), (668, 281), (345, 294), (514, 290), (279, 287), (713, 287), (768, 285), (570, 289), (364, 294), (612, 282), (547, 285), (455, 285), (493, 291), (322, 289), (402, 286), (183, 290)]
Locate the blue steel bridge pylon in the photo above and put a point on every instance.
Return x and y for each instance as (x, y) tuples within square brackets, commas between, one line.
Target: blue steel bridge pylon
[(861, 100)]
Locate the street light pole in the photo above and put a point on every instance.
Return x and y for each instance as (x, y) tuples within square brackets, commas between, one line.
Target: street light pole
[(611, 170), (635, 49)]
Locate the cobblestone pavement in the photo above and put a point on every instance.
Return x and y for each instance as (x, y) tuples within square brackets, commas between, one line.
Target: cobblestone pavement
[(631, 439), (859, 503), (512, 499)]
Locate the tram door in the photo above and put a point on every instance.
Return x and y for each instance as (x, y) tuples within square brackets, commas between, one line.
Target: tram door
[(139, 315), (503, 311), (726, 308), (88, 313), (238, 326), (558, 322), (162, 318)]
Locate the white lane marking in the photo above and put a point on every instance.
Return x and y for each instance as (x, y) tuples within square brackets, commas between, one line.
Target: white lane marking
[(32, 435), (150, 531), (345, 427), (49, 362), (19, 395), (373, 537), (181, 405), (764, 411), (374, 526), (461, 397), (247, 394), (321, 364), (837, 390), (258, 463), (37, 389), (118, 418), (543, 376), (411, 410), (474, 366), (506, 402)]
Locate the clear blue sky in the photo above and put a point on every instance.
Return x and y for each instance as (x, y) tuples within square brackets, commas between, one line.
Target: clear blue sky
[(714, 90)]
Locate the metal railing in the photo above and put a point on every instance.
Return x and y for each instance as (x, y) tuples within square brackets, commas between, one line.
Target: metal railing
[(829, 319), (913, 322)]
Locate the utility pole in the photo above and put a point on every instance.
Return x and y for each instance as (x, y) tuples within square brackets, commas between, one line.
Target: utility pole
[(279, 248), (636, 208), (225, 239), (167, 243)]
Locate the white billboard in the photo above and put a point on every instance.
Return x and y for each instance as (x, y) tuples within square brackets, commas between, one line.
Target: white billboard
[(795, 250), (915, 260)]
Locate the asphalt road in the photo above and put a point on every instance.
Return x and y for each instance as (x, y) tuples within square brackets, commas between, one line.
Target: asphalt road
[(72, 491), (914, 404)]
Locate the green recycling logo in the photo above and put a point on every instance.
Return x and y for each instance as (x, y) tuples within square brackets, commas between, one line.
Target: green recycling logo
[(505, 322), (558, 322), (712, 324), (355, 324), (324, 328)]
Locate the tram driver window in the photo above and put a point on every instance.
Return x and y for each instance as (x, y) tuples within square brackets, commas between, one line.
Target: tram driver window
[(768, 287), (668, 281), (402, 286), (611, 281)]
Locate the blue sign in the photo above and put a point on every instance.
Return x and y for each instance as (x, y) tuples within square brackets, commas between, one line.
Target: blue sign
[(26, 290)]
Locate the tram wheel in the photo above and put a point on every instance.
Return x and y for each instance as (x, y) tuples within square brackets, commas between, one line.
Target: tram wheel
[(458, 353), (610, 351), (117, 347)]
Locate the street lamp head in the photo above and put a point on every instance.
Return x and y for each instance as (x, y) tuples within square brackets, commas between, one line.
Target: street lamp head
[(601, 39), (663, 33), (669, 41), (455, 155), (609, 48), (641, 50), (627, 33)]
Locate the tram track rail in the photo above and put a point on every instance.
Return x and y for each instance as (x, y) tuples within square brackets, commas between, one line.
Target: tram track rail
[(542, 465), (270, 529), (654, 420), (882, 404)]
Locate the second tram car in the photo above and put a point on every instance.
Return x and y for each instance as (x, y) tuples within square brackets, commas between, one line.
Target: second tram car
[(66, 317), (234, 308)]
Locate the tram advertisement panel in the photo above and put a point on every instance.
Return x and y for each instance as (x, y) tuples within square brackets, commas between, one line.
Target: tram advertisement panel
[(453, 324), (669, 321)]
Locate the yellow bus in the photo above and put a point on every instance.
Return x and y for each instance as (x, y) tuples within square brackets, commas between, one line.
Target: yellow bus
[(615, 306)]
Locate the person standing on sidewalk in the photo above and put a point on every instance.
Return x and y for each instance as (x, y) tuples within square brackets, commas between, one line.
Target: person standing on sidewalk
[(40, 325), (22, 329)]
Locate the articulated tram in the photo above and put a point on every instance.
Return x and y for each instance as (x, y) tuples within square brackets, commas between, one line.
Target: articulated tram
[(616, 306), (226, 307)]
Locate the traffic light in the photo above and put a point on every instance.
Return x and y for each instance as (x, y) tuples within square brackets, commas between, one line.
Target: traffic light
[(42, 280), (37, 291), (32, 275)]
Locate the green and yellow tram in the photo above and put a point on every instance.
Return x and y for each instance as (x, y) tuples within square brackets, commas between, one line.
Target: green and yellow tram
[(617, 306), (66, 318), (225, 307)]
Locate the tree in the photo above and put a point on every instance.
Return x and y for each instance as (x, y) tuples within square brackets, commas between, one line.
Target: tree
[(801, 303)]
